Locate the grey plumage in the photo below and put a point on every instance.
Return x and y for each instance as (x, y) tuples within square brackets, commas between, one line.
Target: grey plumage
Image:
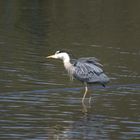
[(89, 70)]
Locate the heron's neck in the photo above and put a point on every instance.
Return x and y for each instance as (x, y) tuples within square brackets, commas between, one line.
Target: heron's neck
[(69, 67), (67, 63)]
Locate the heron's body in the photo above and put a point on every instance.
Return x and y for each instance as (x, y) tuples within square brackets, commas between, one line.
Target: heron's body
[(87, 70)]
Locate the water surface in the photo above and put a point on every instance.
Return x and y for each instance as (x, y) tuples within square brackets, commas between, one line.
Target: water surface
[(37, 100)]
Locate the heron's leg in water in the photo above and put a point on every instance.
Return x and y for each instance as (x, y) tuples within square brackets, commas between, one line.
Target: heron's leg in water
[(86, 89), (89, 99)]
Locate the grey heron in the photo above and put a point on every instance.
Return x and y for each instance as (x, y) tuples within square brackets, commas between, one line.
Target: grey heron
[(88, 70)]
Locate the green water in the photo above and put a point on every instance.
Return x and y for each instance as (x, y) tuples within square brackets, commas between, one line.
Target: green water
[(37, 99)]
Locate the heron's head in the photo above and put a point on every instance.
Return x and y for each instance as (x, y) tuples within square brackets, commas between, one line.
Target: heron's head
[(60, 55)]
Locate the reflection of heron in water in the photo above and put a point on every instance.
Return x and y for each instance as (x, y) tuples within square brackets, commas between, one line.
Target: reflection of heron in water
[(88, 70)]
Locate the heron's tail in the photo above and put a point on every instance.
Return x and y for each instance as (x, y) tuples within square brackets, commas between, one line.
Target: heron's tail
[(104, 79)]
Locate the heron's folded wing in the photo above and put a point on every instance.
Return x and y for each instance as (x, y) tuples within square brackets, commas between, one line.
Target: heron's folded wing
[(87, 72), (83, 59), (93, 60)]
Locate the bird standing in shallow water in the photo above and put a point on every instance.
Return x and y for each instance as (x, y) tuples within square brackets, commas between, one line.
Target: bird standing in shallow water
[(87, 70)]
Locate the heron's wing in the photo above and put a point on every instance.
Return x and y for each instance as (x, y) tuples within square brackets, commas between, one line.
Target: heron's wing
[(92, 60), (83, 59), (88, 72)]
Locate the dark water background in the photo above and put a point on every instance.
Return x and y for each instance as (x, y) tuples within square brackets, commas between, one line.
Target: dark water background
[(37, 100)]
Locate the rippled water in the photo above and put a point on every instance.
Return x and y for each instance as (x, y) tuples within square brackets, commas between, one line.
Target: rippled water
[(37, 100)]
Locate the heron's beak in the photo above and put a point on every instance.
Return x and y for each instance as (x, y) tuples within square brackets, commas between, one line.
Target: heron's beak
[(51, 56)]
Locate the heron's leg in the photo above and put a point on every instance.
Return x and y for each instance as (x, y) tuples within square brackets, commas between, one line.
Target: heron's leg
[(84, 107), (89, 99), (86, 89)]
